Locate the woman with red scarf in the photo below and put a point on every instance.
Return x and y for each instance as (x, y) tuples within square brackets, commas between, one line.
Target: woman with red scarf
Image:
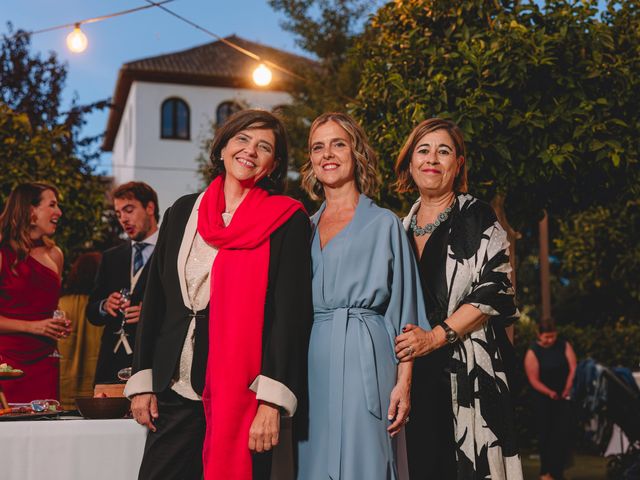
[(225, 324)]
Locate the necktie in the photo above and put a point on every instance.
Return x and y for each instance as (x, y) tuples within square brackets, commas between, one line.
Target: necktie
[(138, 260)]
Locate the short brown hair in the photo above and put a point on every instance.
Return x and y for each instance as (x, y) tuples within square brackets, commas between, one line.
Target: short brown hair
[(248, 120), (404, 182), (141, 192), (365, 158)]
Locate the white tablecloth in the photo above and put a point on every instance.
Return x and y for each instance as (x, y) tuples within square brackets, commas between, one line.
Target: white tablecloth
[(75, 449)]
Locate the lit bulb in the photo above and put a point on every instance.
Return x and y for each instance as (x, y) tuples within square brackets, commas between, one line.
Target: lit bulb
[(76, 40), (262, 75)]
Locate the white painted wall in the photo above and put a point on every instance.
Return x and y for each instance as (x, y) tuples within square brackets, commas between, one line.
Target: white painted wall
[(168, 165)]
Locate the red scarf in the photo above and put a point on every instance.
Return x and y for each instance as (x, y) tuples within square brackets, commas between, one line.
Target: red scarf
[(236, 315)]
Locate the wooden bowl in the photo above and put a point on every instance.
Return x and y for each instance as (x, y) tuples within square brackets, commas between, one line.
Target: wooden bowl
[(103, 407)]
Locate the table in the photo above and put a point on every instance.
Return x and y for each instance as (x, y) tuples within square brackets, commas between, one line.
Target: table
[(73, 449)]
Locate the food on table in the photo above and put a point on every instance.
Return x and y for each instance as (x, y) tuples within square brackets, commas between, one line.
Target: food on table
[(8, 370)]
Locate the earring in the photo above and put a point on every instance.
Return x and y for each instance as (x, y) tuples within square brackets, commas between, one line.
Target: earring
[(221, 158)]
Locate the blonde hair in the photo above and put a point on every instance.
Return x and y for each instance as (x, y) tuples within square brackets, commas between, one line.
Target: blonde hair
[(365, 158), (404, 182)]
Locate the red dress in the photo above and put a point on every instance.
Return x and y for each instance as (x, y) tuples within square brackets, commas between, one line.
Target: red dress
[(32, 294)]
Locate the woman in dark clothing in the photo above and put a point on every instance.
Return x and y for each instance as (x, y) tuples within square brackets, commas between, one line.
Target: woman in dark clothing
[(550, 364), (227, 315), (461, 416)]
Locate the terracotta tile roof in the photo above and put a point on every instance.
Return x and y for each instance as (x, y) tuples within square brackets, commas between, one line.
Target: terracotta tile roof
[(212, 64)]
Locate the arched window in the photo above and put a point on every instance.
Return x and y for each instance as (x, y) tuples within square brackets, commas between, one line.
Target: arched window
[(225, 110), (175, 119)]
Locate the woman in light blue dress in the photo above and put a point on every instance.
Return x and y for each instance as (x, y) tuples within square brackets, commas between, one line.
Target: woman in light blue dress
[(365, 289)]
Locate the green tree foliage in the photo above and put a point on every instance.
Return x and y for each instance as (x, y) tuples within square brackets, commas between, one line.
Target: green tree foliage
[(40, 142), (38, 154), (327, 29), (547, 98), (600, 250)]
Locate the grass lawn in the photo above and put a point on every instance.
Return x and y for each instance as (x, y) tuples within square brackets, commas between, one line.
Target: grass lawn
[(585, 467)]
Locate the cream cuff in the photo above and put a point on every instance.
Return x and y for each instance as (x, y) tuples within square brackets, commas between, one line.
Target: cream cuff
[(272, 391), (140, 382)]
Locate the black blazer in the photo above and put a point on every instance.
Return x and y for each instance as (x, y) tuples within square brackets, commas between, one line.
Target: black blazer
[(113, 274), (288, 308)]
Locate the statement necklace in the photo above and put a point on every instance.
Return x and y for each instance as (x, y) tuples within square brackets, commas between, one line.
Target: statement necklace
[(429, 227)]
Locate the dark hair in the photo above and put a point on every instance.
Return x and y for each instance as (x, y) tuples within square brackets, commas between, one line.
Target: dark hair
[(82, 275), (404, 182), (15, 220), (547, 325), (141, 192), (364, 157), (249, 120)]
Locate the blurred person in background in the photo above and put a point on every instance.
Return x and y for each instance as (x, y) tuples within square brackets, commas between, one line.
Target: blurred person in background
[(550, 365), (30, 273), (124, 267), (80, 349)]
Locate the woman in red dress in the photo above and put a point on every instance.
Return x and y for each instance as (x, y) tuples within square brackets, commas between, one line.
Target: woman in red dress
[(30, 271)]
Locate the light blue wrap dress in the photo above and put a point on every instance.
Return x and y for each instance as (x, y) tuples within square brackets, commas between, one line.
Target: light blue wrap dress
[(366, 287)]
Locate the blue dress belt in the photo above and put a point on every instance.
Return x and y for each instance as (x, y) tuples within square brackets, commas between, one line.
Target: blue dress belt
[(341, 318)]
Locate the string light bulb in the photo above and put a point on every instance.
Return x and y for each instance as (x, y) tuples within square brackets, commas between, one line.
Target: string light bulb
[(76, 40), (262, 75)]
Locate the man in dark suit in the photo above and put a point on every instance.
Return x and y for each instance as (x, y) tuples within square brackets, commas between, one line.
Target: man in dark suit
[(124, 266)]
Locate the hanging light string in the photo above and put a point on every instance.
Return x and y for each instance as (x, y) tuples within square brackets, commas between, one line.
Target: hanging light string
[(244, 51), (160, 5), (98, 19)]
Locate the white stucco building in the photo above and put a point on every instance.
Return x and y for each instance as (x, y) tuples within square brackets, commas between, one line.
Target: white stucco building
[(164, 107)]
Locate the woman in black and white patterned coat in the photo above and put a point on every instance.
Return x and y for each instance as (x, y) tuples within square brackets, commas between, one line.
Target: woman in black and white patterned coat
[(461, 418)]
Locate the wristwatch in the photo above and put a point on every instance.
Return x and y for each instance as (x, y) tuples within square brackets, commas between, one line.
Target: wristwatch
[(450, 333)]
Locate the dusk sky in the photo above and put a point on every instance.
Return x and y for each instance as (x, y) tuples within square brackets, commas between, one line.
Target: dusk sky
[(112, 42)]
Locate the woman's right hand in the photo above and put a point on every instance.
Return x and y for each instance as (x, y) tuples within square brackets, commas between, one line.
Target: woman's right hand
[(54, 328), (417, 342)]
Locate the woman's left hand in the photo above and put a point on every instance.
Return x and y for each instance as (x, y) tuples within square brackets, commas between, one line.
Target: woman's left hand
[(415, 342), (265, 429), (399, 406)]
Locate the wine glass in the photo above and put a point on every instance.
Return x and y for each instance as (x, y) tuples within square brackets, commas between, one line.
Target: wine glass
[(124, 373), (59, 315), (62, 315), (125, 297)]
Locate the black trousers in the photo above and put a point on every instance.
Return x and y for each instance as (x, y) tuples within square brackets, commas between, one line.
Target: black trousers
[(431, 447), (553, 422), (174, 450)]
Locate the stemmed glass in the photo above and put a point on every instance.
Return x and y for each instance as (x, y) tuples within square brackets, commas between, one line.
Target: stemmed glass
[(124, 374), (125, 301), (59, 315), (125, 296)]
